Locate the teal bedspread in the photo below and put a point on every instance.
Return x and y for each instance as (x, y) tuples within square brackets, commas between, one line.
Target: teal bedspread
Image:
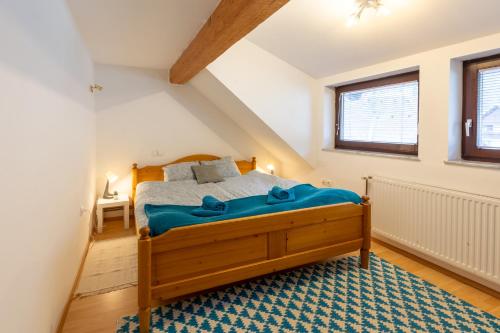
[(164, 217)]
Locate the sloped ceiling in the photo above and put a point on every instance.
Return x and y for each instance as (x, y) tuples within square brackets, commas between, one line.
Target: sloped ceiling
[(312, 35), (219, 94), (139, 33)]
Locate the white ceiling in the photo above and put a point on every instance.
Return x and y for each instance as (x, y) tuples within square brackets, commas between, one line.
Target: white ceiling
[(309, 34), (312, 34), (139, 33)]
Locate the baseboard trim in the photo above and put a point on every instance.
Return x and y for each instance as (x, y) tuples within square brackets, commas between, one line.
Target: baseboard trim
[(60, 326), (461, 278)]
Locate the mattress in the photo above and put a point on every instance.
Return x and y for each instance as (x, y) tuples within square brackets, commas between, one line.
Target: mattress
[(190, 193)]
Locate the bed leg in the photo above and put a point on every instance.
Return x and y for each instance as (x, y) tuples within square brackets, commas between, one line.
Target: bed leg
[(365, 258), (144, 320), (367, 228), (144, 277)]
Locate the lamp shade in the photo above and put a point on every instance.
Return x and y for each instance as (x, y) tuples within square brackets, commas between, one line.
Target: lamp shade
[(111, 177)]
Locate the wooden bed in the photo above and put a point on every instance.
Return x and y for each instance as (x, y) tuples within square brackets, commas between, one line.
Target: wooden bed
[(185, 260)]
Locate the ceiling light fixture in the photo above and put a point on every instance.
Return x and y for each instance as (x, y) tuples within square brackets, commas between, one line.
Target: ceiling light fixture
[(362, 5)]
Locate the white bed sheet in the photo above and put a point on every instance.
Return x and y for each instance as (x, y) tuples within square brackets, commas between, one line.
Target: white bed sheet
[(190, 193)]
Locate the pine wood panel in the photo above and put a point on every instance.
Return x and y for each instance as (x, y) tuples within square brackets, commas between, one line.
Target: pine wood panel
[(223, 277), (367, 233), (208, 258), (323, 234), (276, 244), (144, 278), (230, 21)]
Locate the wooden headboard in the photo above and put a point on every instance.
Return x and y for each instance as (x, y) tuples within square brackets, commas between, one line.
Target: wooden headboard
[(155, 172)]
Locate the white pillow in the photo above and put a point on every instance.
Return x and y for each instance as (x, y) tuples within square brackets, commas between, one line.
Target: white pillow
[(179, 171), (226, 166)]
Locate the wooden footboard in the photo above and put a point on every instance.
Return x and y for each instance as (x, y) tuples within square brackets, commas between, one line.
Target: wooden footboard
[(189, 259)]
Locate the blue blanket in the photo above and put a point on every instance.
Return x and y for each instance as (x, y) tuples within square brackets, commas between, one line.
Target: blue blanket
[(165, 217)]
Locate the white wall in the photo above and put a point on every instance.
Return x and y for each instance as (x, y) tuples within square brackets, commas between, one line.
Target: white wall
[(281, 95), (439, 125), (291, 162), (47, 155), (142, 118)]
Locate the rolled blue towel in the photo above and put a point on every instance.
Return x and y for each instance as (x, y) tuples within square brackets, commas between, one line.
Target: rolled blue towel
[(211, 203), (280, 193), (272, 200)]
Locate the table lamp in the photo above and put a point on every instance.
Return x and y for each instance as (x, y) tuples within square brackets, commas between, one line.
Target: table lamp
[(110, 178)]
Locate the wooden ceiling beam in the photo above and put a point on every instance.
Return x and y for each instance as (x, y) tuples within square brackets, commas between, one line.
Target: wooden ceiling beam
[(230, 21)]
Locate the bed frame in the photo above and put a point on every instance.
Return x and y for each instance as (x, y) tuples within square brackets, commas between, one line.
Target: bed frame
[(186, 260)]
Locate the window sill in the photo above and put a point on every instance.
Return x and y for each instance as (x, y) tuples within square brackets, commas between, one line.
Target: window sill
[(473, 164), (373, 154)]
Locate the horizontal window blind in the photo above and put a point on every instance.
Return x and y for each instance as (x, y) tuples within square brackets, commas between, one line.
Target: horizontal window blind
[(488, 104), (384, 114)]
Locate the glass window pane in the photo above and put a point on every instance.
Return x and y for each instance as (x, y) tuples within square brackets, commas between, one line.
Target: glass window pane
[(488, 113), (386, 114)]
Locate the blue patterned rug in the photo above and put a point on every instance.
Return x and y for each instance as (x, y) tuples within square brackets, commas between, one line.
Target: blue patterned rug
[(336, 296)]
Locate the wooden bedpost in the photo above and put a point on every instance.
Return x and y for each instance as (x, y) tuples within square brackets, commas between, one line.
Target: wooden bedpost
[(144, 279), (367, 217), (134, 179), (254, 163)]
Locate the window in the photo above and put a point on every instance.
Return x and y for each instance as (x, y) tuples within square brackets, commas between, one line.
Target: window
[(379, 115), (481, 110)]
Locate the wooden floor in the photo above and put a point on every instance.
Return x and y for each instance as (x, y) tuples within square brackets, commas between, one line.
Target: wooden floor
[(100, 313)]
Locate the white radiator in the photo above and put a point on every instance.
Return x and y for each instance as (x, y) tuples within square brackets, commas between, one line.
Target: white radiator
[(456, 230)]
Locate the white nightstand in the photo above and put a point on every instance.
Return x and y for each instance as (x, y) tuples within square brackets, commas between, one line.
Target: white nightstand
[(122, 201)]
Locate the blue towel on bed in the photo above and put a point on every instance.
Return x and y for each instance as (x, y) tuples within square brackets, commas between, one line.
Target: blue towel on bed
[(164, 217), (278, 195), (210, 206), (210, 203)]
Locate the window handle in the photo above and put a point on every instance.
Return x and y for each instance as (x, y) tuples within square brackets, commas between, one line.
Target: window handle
[(468, 125)]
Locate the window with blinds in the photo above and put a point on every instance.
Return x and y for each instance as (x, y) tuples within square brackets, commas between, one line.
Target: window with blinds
[(379, 115), (488, 117), (481, 131)]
